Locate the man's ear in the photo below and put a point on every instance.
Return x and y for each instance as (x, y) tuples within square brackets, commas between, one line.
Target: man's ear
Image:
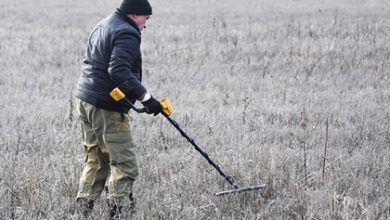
[(132, 16)]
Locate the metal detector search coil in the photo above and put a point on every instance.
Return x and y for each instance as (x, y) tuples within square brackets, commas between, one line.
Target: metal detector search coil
[(240, 190)]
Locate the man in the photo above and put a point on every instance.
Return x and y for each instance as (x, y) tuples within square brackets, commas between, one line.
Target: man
[(112, 59)]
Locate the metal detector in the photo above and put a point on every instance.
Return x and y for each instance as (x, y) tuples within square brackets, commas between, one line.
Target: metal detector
[(118, 95)]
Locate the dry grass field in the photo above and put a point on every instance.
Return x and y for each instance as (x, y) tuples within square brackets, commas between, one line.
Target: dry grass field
[(292, 93)]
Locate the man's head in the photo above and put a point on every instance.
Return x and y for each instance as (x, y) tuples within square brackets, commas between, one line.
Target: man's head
[(138, 10)]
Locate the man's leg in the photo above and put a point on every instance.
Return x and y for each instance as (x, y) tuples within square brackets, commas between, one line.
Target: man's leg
[(95, 173), (96, 166), (123, 164)]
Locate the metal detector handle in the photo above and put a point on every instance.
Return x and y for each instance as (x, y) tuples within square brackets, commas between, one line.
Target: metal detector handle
[(118, 95), (139, 110)]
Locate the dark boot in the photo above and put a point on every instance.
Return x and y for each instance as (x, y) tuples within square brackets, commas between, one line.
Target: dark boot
[(84, 206), (117, 211), (132, 202)]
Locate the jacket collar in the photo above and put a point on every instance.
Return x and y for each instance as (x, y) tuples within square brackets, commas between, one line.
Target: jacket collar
[(127, 19)]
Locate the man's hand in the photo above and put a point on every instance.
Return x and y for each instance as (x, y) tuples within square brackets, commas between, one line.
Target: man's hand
[(152, 106)]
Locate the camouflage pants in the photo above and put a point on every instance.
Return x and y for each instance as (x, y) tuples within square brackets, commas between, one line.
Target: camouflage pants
[(109, 154)]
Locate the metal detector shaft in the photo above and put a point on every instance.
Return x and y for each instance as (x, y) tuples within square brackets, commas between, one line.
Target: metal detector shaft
[(204, 154)]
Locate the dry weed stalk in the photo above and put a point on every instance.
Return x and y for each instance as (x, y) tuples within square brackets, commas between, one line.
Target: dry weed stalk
[(325, 148)]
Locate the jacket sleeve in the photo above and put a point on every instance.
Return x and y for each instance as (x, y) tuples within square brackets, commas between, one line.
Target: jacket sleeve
[(126, 49)]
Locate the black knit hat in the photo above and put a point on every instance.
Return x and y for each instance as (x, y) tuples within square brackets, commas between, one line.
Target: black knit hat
[(136, 7)]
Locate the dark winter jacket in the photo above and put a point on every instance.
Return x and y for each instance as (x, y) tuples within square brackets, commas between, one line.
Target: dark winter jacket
[(112, 57)]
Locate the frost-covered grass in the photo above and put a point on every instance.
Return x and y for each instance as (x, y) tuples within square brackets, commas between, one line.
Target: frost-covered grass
[(263, 86)]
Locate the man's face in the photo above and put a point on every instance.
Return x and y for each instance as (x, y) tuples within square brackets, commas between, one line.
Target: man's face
[(140, 20)]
